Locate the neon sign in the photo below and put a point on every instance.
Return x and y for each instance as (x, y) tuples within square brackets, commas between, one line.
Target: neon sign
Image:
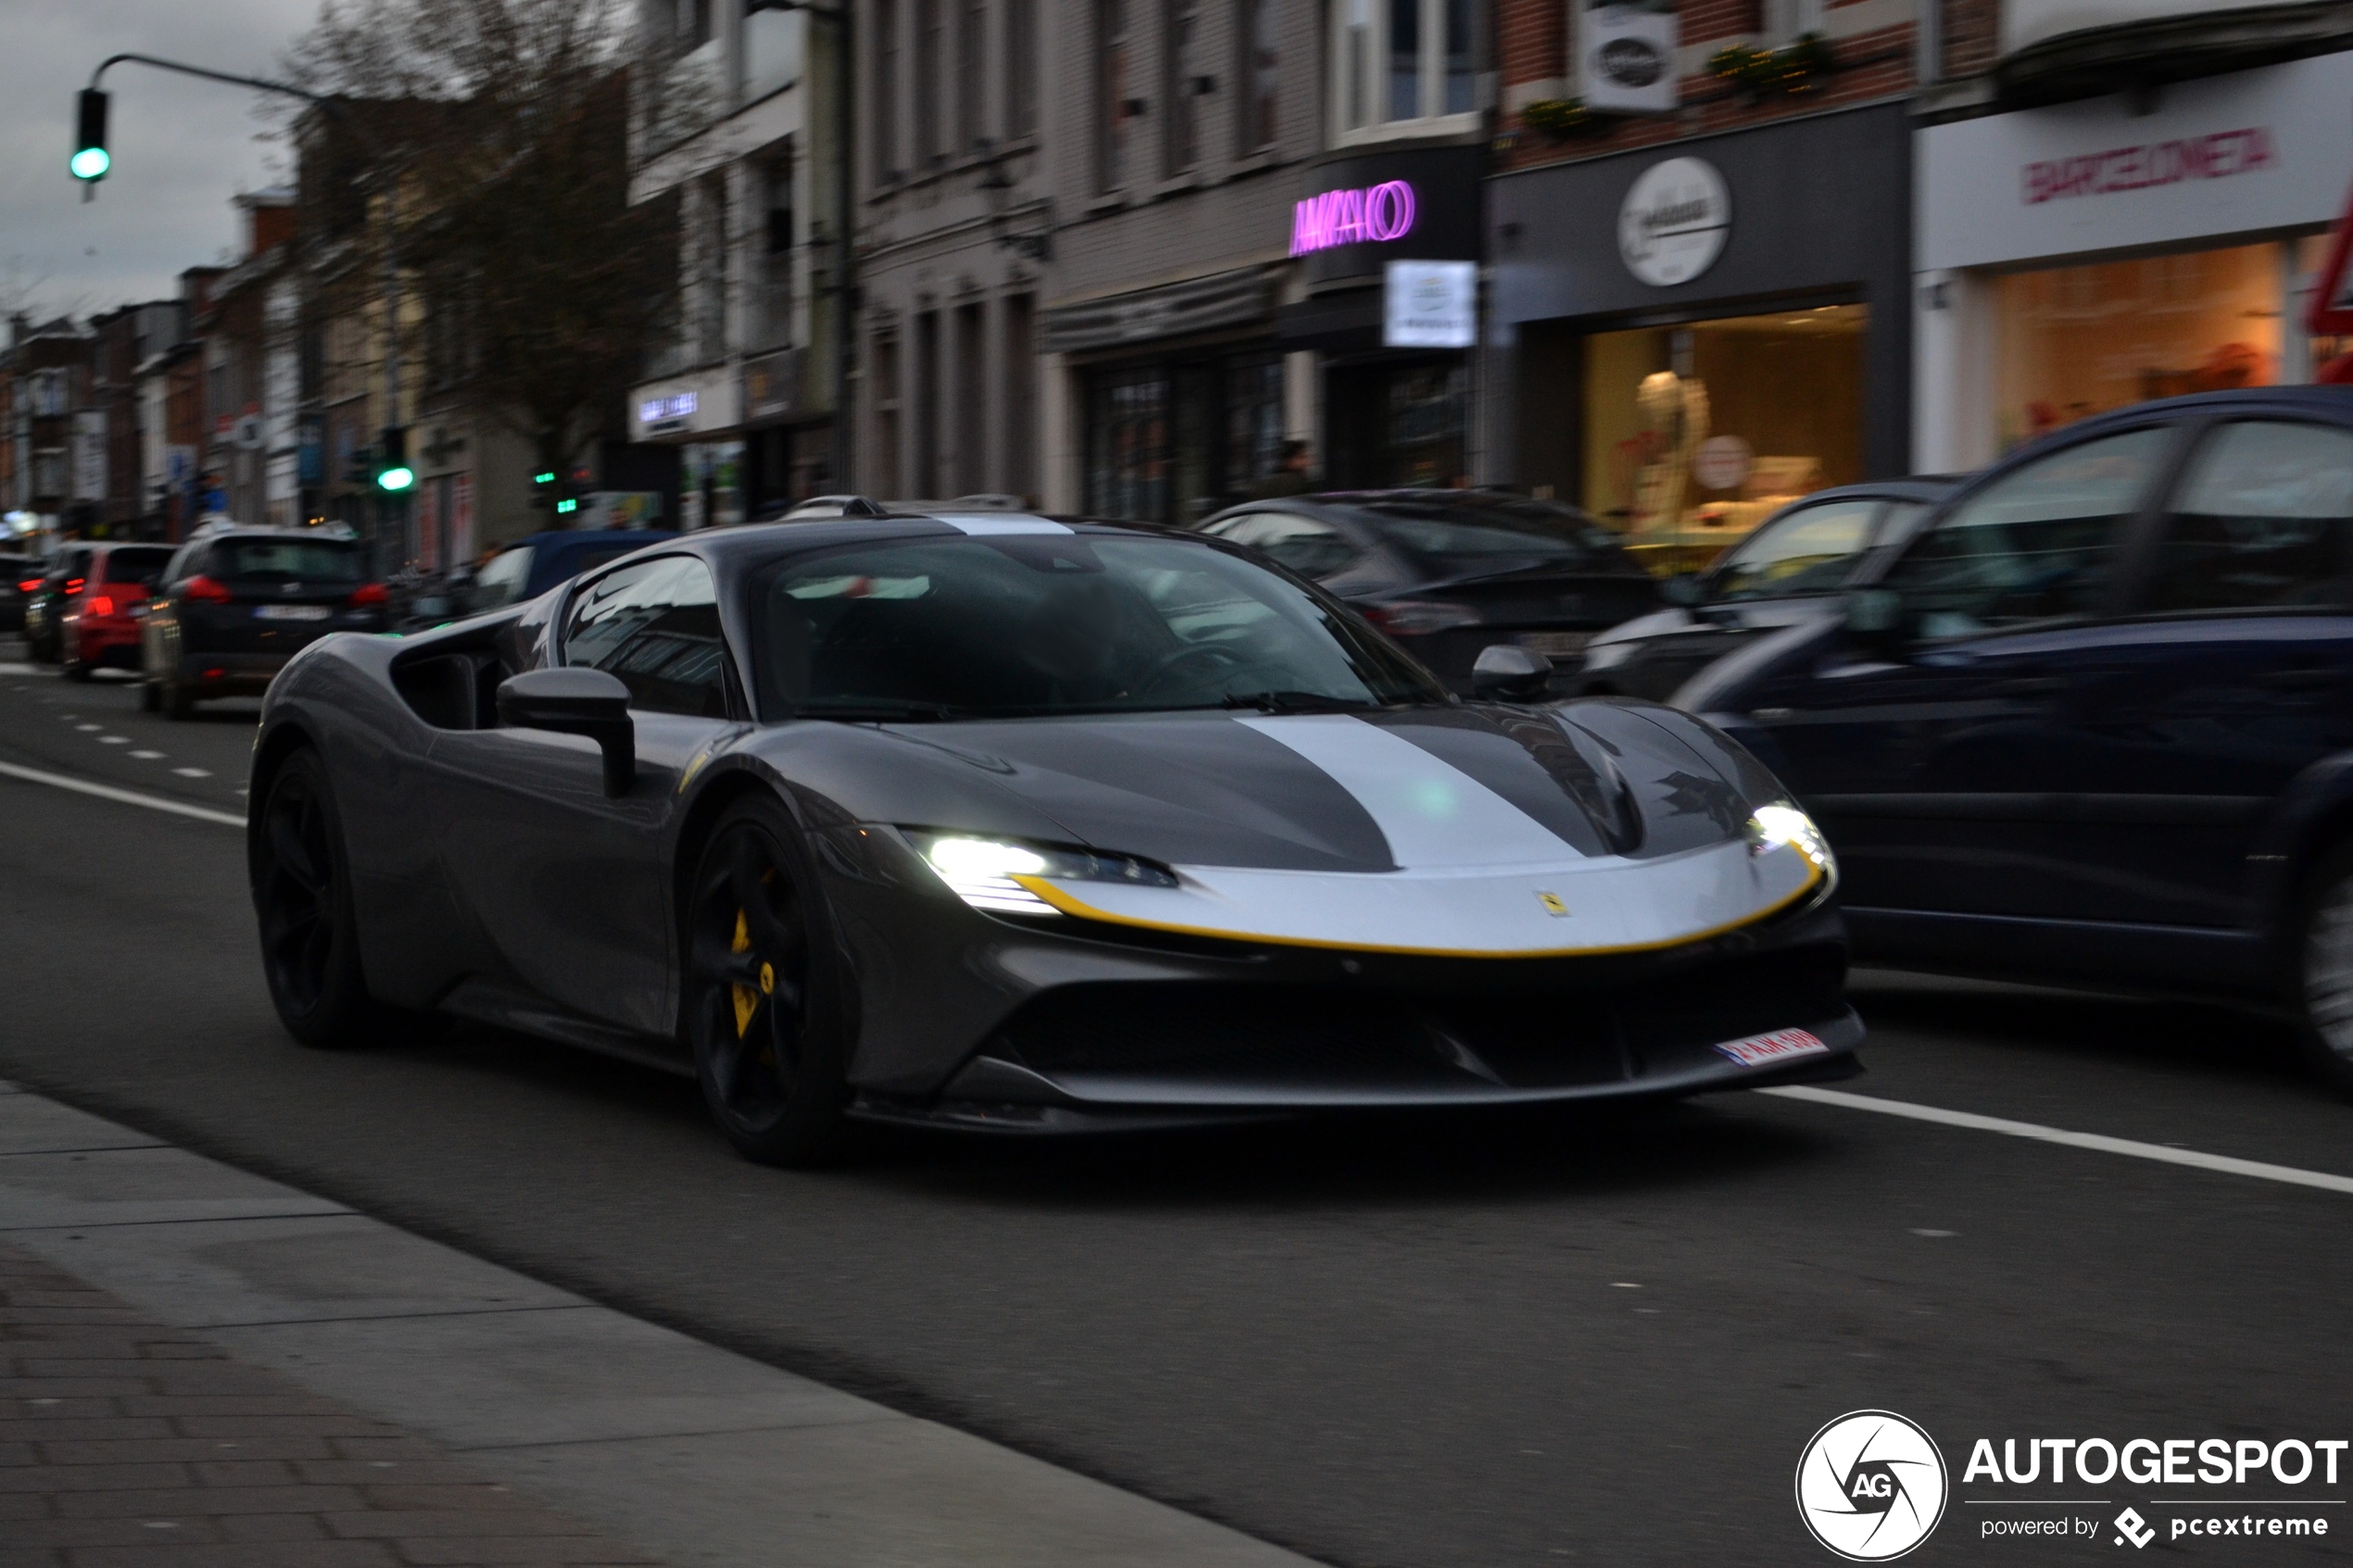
[(1370, 214)]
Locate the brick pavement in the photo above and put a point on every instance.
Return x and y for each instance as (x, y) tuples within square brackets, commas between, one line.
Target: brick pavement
[(124, 1444)]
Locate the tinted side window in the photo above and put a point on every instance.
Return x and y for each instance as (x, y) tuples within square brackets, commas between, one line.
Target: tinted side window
[(2036, 544), (502, 581), (655, 626), (1809, 551), (2263, 521), (1307, 546)]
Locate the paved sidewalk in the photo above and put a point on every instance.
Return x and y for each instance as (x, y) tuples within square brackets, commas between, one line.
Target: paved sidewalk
[(126, 1443)]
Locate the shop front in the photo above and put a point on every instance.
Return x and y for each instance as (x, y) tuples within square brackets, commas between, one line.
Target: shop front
[(1690, 336), (1396, 405), (1180, 393), (2083, 257), (702, 413)]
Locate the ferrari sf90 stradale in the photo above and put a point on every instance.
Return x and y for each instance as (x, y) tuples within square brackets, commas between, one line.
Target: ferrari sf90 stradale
[(998, 821)]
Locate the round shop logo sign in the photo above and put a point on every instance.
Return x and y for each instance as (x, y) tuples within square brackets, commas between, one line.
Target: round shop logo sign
[(1630, 62), (1674, 221), (1872, 1486)]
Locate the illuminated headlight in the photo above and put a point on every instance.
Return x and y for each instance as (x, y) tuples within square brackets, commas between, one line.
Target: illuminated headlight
[(981, 871), (1771, 827)]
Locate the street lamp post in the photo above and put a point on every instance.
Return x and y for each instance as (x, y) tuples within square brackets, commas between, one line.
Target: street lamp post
[(92, 161)]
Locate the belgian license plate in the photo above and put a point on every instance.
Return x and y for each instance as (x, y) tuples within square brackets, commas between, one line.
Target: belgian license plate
[(291, 612), (1556, 645)]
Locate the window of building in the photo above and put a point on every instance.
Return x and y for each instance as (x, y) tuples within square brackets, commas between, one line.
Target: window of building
[(1116, 108), (695, 23), (972, 402), (930, 18), (772, 45), (1021, 68), (972, 80), (771, 323), (885, 382), (886, 95), (1403, 67), (1186, 85), (925, 477), (1694, 434), (1173, 442), (1260, 57), (1021, 394)]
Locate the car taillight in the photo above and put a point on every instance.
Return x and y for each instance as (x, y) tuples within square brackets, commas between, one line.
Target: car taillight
[(368, 594), (73, 584), (206, 589), (97, 604), (28, 587)]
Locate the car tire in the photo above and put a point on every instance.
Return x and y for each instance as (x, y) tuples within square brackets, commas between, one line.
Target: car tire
[(766, 993), (150, 696), (75, 669), (178, 702), (301, 880), (2324, 969)]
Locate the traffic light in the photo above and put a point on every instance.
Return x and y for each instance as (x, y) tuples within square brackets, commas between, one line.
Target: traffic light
[(393, 472), (90, 159)]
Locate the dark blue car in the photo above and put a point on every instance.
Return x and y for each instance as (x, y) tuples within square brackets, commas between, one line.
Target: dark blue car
[(530, 566), (2094, 721)]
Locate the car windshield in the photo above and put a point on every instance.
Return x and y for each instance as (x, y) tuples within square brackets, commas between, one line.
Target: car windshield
[(137, 564), (1036, 623), (287, 560), (1807, 551), (1456, 539)]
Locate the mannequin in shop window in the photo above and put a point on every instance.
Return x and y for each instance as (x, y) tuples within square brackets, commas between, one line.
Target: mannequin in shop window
[(1292, 475)]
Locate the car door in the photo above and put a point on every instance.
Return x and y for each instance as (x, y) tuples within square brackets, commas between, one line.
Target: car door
[(566, 884), (1933, 769), (2234, 676)]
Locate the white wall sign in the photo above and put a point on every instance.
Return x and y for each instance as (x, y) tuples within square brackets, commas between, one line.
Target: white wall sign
[(1674, 221), (2244, 154), (1626, 58), (1430, 305), (90, 454)]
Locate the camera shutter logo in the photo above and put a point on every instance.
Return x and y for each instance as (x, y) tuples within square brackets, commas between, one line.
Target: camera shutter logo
[(1675, 221), (1872, 1486)]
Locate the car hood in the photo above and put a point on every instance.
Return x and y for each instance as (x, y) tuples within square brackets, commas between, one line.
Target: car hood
[(1478, 829)]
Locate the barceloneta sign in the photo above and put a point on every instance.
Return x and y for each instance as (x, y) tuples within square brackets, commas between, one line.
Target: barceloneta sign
[(1371, 213)]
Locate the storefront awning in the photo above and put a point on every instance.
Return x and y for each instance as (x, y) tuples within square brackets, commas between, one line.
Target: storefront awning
[(1222, 299)]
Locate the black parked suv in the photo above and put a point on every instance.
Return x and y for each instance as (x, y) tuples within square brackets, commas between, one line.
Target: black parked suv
[(2094, 721), (236, 604)]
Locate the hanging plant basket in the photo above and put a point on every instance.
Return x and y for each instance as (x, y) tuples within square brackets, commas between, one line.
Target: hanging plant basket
[(1566, 119), (1759, 74)]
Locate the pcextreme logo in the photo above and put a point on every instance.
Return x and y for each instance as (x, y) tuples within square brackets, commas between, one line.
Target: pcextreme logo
[(1872, 1486)]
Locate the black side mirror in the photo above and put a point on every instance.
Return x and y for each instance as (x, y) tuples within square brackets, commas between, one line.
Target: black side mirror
[(1682, 589), (1876, 620), (576, 702), (1507, 673)]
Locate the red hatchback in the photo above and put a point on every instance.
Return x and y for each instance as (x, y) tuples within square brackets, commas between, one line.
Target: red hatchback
[(100, 625)]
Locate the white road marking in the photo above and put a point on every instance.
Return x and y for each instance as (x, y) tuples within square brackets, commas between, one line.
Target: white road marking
[(89, 729), (128, 797), (193, 772), (2098, 1142), (114, 740), (147, 756), (20, 670)]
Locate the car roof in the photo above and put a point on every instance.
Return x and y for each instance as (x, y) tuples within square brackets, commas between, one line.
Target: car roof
[(745, 544), (583, 538)]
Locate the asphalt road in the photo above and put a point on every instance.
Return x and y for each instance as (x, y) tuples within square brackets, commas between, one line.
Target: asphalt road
[(1598, 1338)]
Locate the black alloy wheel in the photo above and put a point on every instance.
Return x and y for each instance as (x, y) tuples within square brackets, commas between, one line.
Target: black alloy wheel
[(302, 895), (764, 993), (2324, 969)]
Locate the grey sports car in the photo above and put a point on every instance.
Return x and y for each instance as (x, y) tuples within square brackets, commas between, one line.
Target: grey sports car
[(998, 821)]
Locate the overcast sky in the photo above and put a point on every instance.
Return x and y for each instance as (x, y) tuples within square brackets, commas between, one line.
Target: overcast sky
[(181, 147)]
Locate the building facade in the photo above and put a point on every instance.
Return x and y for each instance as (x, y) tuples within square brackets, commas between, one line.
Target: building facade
[(2118, 202), (735, 124)]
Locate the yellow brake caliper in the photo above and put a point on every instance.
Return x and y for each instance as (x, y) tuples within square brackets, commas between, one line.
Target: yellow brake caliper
[(747, 999)]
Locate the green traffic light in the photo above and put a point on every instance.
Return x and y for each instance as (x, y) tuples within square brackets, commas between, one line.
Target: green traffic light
[(547, 478), (91, 163), (568, 505), (396, 478)]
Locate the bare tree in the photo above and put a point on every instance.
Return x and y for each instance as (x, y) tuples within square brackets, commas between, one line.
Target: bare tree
[(492, 137)]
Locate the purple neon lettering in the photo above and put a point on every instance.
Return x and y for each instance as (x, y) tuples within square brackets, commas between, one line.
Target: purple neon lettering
[(1375, 214)]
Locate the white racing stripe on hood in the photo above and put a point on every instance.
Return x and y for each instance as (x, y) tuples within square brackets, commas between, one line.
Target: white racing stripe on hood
[(1433, 814)]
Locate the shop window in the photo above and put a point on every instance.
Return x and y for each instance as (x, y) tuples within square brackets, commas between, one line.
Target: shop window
[(1260, 57), (1253, 421), (2263, 522), (1175, 442), (1694, 434), (1127, 445), (2077, 341), (972, 403), (885, 466), (1021, 394), (1403, 67), (925, 477)]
